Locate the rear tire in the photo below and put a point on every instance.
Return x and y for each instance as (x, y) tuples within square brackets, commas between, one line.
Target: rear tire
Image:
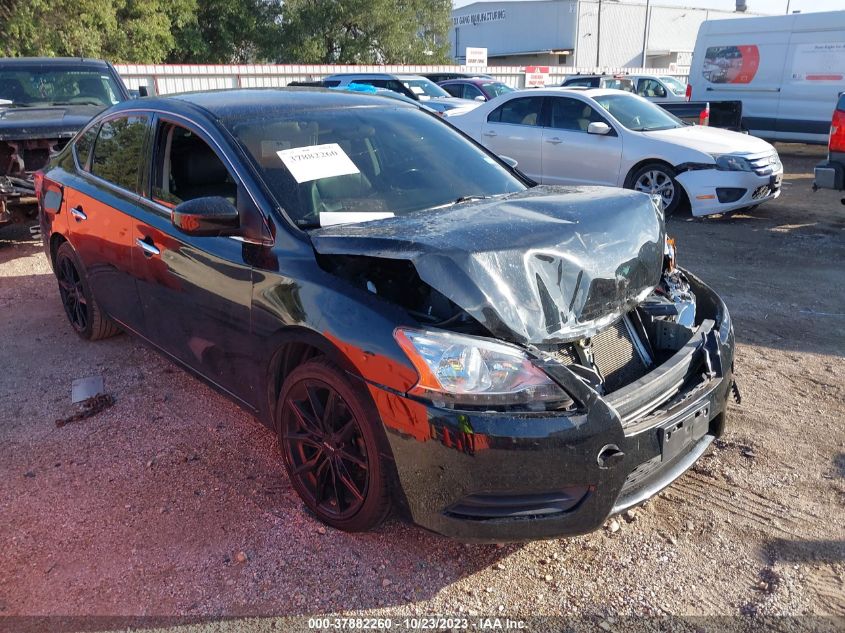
[(658, 178), (81, 308), (328, 430)]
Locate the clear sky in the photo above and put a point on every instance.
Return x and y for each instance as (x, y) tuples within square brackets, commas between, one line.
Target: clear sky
[(756, 6)]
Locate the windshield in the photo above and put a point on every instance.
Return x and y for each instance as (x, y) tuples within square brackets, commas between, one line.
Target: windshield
[(29, 86), (496, 88), (423, 88), (638, 114), (676, 86), (366, 162)]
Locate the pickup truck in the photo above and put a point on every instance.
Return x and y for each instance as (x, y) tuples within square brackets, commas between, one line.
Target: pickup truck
[(723, 114), (830, 174), (44, 102)]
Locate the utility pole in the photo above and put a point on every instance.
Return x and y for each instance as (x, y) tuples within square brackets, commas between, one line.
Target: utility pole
[(645, 30), (598, 36)]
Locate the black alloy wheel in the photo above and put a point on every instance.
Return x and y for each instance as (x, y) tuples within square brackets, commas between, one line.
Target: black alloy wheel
[(82, 310), (73, 296), (330, 448)]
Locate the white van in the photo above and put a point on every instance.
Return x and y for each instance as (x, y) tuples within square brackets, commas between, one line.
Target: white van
[(787, 70)]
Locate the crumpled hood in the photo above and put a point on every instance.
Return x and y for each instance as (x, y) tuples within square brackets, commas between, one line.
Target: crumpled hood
[(549, 265), (712, 140), (18, 124)]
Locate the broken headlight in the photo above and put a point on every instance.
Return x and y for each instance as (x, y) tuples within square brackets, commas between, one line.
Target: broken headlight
[(732, 162), (477, 372)]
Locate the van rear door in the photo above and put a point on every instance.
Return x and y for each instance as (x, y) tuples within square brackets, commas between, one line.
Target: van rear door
[(814, 74)]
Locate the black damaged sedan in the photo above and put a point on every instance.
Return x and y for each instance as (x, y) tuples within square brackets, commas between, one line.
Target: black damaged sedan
[(422, 328)]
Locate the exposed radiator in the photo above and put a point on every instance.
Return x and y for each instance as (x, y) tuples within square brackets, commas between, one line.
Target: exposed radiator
[(616, 357)]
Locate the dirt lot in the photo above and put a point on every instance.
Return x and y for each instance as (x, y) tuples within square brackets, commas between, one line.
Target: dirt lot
[(174, 501)]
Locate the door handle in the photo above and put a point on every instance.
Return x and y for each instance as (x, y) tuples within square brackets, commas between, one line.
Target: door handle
[(149, 248), (78, 213), (554, 140), (490, 134)]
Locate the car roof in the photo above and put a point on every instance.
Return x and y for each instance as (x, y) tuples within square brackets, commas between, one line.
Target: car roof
[(471, 80), (52, 61), (225, 104), (411, 76), (361, 76), (567, 90)]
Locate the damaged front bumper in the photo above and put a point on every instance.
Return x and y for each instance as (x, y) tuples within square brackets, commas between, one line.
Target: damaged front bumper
[(712, 191), (497, 476)]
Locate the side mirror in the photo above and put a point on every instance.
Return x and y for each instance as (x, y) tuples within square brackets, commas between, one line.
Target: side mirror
[(481, 98), (206, 217), (510, 162), (598, 127), (142, 91)]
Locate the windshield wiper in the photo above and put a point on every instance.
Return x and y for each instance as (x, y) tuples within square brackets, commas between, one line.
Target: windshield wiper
[(470, 198), (88, 102)]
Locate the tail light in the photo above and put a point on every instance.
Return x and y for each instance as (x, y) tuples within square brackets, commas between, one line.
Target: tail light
[(704, 115), (689, 92), (837, 132), (38, 181)]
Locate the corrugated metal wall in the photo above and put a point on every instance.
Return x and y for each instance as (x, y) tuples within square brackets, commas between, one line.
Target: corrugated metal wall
[(622, 31), (170, 78)]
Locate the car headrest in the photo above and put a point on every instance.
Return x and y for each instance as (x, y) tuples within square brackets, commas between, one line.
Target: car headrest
[(203, 167), (340, 187)]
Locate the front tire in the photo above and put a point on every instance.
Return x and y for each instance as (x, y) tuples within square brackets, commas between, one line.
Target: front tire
[(658, 178), (327, 432), (82, 310)]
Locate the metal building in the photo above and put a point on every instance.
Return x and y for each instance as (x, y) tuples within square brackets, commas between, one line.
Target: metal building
[(581, 33)]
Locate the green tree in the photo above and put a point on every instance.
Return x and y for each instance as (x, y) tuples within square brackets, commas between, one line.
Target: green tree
[(117, 30), (363, 31), (227, 31)]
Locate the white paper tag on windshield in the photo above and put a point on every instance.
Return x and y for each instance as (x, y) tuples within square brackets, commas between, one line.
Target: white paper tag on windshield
[(330, 218), (317, 161)]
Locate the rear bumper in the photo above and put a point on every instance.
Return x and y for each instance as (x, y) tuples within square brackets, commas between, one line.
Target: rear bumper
[(830, 174), (495, 477), (712, 191)]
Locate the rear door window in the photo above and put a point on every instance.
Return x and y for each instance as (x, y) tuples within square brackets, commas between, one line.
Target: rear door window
[(520, 111), (119, 150), (82, 146)]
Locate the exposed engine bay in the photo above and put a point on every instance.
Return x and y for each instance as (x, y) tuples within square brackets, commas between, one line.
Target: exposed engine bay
[(623, 352), (19, 159)]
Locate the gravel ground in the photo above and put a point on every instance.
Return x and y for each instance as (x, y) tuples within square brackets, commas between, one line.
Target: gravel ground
[(175, 502)]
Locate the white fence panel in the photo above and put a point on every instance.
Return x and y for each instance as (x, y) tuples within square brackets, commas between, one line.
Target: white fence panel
[(172, 78)]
